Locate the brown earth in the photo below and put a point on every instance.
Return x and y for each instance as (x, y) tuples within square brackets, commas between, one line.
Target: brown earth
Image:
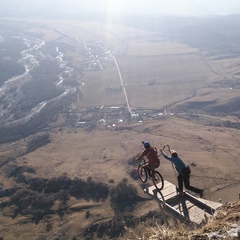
[(103, 153)]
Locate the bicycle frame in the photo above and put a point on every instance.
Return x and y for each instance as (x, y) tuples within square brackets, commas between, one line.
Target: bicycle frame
[(144, 173), (149, 170)]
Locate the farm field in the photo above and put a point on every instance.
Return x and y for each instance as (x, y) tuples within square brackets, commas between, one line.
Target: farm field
[(150, 67)]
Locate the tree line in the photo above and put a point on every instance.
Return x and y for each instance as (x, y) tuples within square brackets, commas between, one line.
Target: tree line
[(36, 196)]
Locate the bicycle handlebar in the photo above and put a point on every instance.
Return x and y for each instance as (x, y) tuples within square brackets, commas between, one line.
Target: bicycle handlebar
[(144, 160)]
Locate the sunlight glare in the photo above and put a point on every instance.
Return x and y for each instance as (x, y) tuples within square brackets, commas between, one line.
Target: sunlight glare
[(114, 6)]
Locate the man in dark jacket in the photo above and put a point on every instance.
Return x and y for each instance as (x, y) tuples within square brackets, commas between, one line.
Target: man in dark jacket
[(183, 172)]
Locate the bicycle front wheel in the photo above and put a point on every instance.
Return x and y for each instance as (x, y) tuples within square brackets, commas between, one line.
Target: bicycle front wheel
[(142, 173), (158, 180)]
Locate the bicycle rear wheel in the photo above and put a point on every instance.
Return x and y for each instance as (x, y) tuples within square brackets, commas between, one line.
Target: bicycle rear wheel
[(158, 180), (142, 173)]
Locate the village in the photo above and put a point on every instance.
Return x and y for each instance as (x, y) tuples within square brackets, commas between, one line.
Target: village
[(111, 116)]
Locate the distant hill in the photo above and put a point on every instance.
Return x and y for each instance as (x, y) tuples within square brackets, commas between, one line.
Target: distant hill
[(209, 32)]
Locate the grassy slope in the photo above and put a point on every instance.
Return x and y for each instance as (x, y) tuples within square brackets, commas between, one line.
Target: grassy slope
[(218, 227), (104, 154)]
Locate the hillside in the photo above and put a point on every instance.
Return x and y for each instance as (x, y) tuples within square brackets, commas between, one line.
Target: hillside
[(224, 225), (58, 175), (73, 122)]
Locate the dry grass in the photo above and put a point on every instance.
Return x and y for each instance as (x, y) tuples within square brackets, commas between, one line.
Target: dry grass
[(152, 47), (104, 154), (158, 232), (227, 218), (143, 58)]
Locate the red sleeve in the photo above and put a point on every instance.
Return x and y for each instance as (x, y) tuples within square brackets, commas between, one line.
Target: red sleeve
[(142, 155), (156, 150)]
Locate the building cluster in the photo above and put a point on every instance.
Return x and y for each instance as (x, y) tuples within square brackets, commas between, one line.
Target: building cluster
[(109, 116)]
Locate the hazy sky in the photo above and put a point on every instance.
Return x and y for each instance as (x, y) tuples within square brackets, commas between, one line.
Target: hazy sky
[(166, 7)]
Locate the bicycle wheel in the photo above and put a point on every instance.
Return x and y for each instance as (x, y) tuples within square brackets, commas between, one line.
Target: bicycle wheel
[(158, 180), (142, 173)]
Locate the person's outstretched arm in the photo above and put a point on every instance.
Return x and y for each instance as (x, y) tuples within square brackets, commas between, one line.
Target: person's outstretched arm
[(166, 156), (141, 156)]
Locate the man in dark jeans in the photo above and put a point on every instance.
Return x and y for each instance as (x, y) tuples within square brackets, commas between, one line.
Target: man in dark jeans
[(183, 173)]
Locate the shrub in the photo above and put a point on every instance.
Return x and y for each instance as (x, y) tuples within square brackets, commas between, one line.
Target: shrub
[(42, 193), (89, 189), (37, 184), (30, 202), (38, 142), (19, 170), (87, 215), (123, 196), (22, 198), (56, 184), (112, 229), (111, 181), (42, 201), (95, 190), (77, 188)]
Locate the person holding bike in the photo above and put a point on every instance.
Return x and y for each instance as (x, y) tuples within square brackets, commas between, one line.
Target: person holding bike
[(151, 154), (184, 172)]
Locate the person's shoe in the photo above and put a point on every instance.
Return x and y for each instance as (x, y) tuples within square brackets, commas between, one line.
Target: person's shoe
[(201, 193), (181, 194)]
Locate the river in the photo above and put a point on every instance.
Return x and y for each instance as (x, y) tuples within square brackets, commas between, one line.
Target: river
[(30, 59)]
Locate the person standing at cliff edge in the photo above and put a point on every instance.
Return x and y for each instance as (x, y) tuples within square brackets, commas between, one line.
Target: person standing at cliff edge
[(184, 172)]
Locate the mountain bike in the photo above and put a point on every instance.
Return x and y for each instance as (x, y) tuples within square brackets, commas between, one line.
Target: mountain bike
[(144, 173)]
